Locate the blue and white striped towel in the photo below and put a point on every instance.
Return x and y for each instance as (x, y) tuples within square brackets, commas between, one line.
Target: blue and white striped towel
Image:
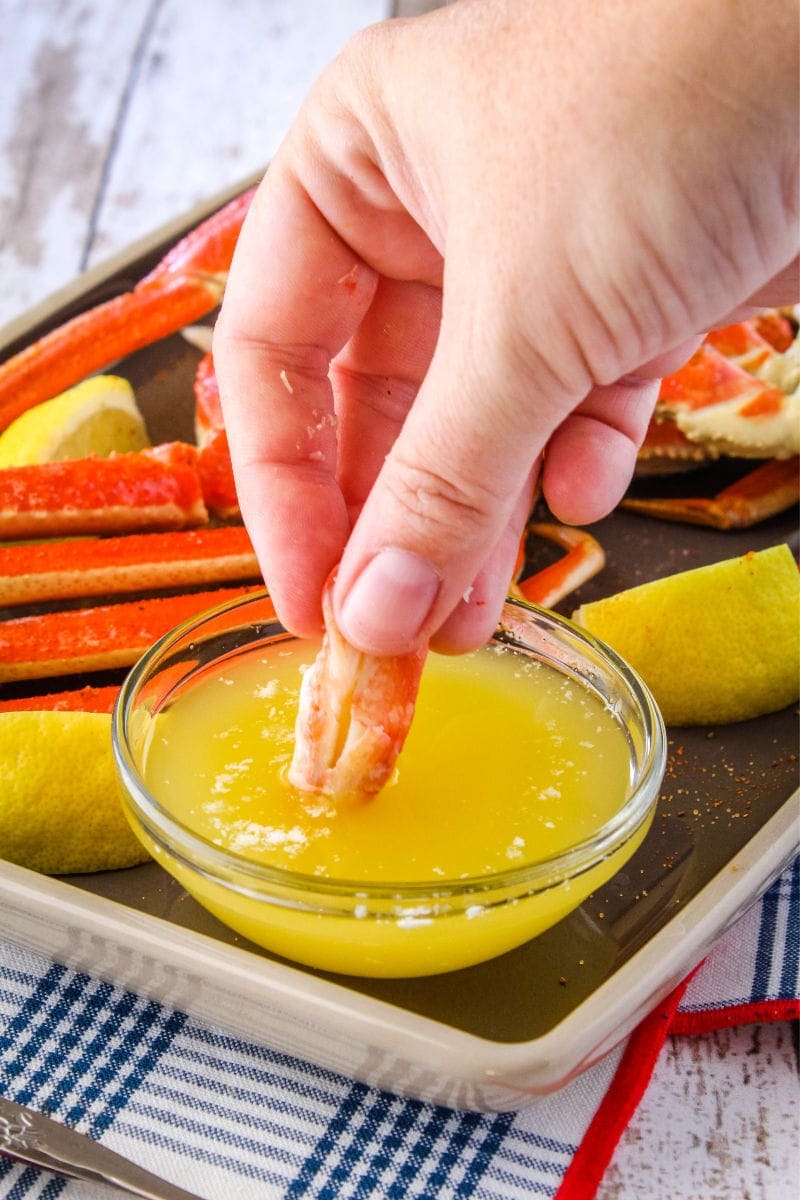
[(230, 1120)]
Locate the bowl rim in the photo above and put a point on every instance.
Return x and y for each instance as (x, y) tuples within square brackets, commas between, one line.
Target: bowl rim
[(220, 865)]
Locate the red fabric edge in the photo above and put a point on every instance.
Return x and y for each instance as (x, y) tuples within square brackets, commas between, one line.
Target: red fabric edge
[(615, 1110), (589, 1164), (759, 1012)]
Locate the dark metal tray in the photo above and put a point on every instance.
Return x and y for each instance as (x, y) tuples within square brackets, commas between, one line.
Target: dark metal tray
[(724, 829)]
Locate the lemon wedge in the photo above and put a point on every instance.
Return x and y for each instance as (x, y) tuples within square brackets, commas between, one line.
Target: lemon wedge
[(60, 811), (99, 417), (716, 644)]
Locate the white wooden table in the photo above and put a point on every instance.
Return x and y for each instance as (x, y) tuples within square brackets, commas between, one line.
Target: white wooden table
[(115, 117)]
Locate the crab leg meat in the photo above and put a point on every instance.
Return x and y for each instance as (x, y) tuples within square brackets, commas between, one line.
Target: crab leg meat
[(60, 570), (186, 284), (150, 489), (96, 639), (216, 477), (354, 714), (743, 344), (356, 709)]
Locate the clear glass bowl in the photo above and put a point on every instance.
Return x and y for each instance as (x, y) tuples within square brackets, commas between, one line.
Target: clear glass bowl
[(368, 928)]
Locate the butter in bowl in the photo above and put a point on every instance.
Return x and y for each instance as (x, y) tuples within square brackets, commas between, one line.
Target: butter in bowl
[(529, 777)]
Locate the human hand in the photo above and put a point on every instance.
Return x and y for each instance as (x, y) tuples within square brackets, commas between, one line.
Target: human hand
[(488, 233)]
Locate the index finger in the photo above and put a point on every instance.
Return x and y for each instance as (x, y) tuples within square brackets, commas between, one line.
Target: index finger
[(295, 295)]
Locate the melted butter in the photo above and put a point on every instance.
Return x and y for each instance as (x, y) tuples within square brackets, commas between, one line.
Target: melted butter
[(507, 762)]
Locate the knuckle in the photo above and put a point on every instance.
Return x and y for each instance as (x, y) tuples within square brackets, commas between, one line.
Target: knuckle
[(388, 398), (438, 507), (356, 63)]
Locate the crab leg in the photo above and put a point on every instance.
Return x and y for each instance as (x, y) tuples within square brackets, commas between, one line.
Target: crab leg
[(354, 714), (60, 570), (751, 343), (186, 284), (584, 557), (158, 488), (95, 639), (216, 477), (85, 699), (743, 344), (214, 460), (207, 404), (769, 489)]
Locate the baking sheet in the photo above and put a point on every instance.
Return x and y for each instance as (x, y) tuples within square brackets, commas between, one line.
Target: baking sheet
[(495, 1035)]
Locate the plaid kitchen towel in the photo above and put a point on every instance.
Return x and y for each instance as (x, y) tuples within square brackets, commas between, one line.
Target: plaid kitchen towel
[(227, 1119)]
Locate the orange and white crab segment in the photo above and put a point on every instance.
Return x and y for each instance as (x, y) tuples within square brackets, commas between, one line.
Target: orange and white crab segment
[(187, 283), (718, 404), (738, 396), (584, 557), (775, 326), (770, 489), (207, 404), (85, 699), (354, 714), (104, 638), (744, 344), (158, 488), (213, 460), (52, 569), (755, 343)]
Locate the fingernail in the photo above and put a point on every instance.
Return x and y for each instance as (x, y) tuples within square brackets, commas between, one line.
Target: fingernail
[(389, 602)]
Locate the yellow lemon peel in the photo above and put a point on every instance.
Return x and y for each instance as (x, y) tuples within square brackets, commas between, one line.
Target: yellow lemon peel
[(60, 811), (715, 644), (98, 417)]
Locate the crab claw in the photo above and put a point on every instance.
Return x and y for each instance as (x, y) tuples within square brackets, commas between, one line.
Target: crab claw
[(186, 284)]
